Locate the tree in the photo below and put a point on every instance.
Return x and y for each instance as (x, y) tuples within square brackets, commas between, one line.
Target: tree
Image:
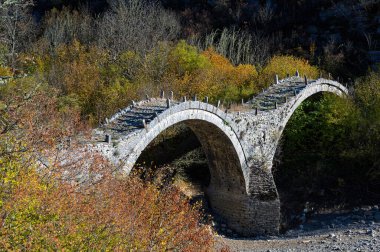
[(135, 25), (65, 26), (240, 47), (15, 25), (331, 149), (283, 65), (208, 73)]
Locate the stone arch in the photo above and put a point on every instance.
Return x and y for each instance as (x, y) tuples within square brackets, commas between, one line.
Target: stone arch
[(272, 123), (227, 192), (312, 89), (242, 189), (288, 110), (225, 155)]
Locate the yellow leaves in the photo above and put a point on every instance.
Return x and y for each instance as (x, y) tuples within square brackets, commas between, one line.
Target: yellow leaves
[(218, 61), (5, 71), (368, 89), (245, 72), (161, 231), (9, 177), (337, 109), (283, 65), (3, 106), (218, 78), (226, 80), (208, 74)]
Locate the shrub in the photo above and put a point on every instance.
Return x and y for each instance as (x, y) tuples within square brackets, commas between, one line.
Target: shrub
[(113, 214), (209, 74), (186, 59), (86, 78), (5, 71), (231, 82), (283, 65)]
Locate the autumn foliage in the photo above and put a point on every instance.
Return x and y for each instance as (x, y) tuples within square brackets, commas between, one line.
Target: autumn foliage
[(209, 74), (286, 65), (96, 83), (110, 215), (45, 204)]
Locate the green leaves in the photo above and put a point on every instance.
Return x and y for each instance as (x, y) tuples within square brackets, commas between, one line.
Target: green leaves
[(186, 58), (332, 144)]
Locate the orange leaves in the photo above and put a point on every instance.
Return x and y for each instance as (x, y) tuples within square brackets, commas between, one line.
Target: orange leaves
[(112, 215), (229, 80), (218, 61)]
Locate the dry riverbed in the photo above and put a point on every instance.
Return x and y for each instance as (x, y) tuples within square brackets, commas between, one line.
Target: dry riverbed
[(354, 230)]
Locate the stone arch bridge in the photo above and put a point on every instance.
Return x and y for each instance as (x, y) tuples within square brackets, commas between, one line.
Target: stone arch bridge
[(240, 146)]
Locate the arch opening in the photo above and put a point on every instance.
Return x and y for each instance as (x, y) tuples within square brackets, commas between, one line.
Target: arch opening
[(201, 160), (176, 157), (310, 168)]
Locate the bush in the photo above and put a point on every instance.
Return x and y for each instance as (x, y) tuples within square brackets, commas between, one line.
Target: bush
[(86, 78), (283, 65), (5, 71), (231, 82), (185, 58), (209, 74), (110, 215)]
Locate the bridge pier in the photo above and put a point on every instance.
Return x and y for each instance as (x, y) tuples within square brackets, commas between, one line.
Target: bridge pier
[(247, 215), (248, 210)]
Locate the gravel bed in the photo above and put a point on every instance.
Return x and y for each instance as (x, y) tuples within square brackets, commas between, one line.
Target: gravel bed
[(354, 230)]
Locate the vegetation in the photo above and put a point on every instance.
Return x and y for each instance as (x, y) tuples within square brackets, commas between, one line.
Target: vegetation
[(329, 155), (69, 68), (46, 205), (284, 66)]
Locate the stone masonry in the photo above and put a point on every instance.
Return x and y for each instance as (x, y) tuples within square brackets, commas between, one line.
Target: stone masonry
[(240, 145)]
